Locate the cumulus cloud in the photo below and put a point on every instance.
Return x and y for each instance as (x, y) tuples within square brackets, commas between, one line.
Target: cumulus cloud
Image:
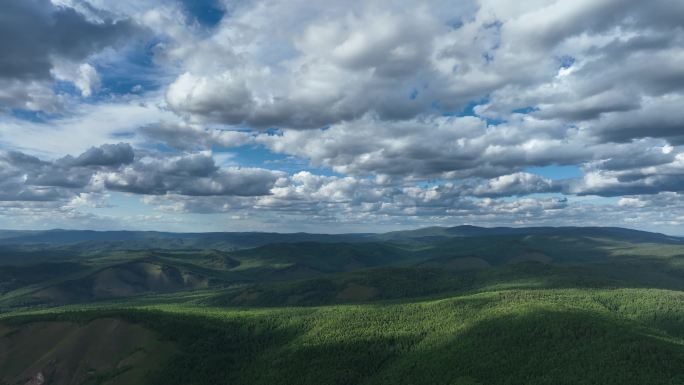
[(116, 167), (516, 184), (353, 58), (330, 65), (660, 117), (332, 197), (194, 174), (393, 113), (38, 37), (647, 179), (34, 32), (105, 155), (457, 147), (193, 137), (402, 148), (83, 76)]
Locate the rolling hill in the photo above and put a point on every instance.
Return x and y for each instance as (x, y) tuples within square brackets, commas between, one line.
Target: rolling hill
[(430, 306)]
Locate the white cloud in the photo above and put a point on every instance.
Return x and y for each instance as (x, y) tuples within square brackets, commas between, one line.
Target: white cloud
[(372, 91), (83, 76), (89, 125)]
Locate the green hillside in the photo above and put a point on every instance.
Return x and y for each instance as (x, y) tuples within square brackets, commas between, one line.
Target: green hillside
[(458, 305), (564, 336)]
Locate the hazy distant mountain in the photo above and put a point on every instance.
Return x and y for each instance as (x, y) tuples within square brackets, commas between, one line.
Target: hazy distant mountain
[(433, 233), (153, 239), (235, 240)]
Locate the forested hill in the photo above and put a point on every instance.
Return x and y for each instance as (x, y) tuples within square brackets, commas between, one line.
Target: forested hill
[(441, 305)]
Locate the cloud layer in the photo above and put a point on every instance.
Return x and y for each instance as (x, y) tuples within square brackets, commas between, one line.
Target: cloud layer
[(348, 114)]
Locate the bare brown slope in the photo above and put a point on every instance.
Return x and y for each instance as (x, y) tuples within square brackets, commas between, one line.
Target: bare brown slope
[(67, 353), (123, 280)]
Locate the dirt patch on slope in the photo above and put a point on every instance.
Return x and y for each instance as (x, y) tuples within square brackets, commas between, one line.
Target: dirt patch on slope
[(357, 292), (128, 279), (68, 353)]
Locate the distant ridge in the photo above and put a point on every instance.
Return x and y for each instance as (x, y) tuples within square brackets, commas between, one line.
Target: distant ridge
[(155, 239), (234, 240), (471, 231)]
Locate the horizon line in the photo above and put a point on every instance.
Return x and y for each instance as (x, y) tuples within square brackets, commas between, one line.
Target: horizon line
[(345, 233)]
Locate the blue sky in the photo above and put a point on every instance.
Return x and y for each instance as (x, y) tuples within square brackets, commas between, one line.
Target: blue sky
[(345, 116)]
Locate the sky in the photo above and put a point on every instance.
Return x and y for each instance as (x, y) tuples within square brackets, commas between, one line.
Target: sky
[(341, 116)]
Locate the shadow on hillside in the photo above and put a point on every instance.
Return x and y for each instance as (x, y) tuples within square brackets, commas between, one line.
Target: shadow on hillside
[(408, 284), (526, 344), (543, 347)]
